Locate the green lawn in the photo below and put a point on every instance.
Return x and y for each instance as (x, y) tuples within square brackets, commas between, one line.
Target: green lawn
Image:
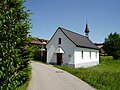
[(105, 76)]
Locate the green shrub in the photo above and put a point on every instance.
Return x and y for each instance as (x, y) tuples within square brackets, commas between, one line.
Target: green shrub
[(26, 83), (105, 58), (36, 53), (14, 58)]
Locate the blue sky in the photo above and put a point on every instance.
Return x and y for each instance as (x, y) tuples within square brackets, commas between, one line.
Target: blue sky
[(103, 17)]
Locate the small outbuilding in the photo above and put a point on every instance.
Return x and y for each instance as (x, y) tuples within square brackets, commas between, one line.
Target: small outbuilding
[(72, 49)]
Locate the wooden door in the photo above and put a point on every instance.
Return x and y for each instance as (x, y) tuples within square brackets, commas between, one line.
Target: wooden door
[(59, 59)]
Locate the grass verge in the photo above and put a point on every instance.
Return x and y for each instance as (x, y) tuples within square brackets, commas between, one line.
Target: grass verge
[(25, 85), (105, 76)]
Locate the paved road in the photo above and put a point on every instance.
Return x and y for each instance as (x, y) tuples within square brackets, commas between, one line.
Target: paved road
[(46, 77)]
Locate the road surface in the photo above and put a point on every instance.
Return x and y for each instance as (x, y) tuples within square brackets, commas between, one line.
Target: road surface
[(47, 77)]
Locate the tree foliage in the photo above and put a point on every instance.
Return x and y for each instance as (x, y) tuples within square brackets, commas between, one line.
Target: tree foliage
[(14, 26), (112, 45), (36, 50)]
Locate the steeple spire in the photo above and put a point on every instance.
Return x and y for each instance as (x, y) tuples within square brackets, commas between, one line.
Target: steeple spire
[(87, 30)]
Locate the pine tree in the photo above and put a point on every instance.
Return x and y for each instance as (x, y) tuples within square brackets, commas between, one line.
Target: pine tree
[(14, 26)]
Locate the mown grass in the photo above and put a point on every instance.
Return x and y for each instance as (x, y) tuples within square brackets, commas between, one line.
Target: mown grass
[(105, 76)]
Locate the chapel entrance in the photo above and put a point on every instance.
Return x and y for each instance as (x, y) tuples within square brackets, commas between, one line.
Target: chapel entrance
[(59, 58)]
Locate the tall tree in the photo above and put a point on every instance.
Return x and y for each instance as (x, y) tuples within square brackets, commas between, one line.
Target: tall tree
[(112, 45), (14, 26)]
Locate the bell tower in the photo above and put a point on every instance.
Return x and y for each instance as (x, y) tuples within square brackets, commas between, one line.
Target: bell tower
[(87, 30)]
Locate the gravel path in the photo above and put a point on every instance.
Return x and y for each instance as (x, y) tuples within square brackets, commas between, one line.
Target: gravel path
[(46, 77)]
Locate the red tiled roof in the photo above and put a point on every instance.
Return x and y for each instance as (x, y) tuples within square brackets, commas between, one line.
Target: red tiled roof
[(40, 42), (36, 42)]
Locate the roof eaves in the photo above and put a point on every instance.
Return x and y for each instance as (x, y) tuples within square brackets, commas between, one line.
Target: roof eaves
[(87, 47), (53, 35)]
